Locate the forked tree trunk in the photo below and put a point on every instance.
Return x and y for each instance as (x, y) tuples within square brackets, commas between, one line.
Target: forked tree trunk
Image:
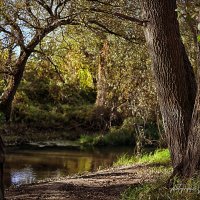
[(101, 76), (174, 75)]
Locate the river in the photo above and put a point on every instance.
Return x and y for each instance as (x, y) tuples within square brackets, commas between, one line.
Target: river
[(31, 164)]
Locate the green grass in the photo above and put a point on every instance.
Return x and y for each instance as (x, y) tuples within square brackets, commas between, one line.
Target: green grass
[(158, 191), (161, 156), (91, 140)]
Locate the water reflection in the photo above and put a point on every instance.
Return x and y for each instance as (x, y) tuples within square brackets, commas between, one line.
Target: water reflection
[(29, 165), (25, 175)]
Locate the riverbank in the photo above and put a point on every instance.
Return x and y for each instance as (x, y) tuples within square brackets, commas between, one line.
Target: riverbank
[(109, 184), (106, 184), (20, 134), (131, 178), (125, 135), (89, 125)]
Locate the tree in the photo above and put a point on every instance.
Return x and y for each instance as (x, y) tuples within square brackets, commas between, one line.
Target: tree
[(174, 76), (102, 75), (23, 25), (176, 84)]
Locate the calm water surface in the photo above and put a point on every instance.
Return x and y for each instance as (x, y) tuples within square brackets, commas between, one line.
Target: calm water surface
[(28, 165)]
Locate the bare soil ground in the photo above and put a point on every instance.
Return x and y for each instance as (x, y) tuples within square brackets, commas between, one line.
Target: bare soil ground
[(102, 185)]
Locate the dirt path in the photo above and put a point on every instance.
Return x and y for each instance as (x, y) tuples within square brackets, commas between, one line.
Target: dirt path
[(101, 185)]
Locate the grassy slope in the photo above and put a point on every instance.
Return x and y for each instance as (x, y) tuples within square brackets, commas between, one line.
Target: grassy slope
[(189, 190)]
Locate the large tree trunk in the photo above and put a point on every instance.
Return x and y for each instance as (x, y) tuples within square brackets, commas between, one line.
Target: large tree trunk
[(2, 159), (191, 161), (102, 74), (14, 80), (174, 75)]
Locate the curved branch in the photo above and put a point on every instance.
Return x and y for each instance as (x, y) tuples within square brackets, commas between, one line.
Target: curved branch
[(122, 16), (106, 29)]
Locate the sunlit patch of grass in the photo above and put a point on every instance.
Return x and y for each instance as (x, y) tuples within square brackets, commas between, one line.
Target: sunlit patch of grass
[(158, 190), (161, 156)]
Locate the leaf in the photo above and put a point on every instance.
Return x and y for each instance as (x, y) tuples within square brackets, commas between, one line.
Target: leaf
[(198, 38)]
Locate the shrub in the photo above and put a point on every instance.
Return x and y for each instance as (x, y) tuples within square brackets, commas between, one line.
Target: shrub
[(115, 136), (119, 136)]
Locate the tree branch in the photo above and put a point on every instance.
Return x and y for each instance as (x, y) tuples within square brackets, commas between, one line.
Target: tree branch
[(28, 8), (16, 28), (122, 16), (45, 6), (51, 61), (109, 30)]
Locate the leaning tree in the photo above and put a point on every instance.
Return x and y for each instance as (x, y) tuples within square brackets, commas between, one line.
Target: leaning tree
[(176, 84), (23, 25), (177, 87)]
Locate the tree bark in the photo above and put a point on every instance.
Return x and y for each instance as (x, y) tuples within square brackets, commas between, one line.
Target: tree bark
[(176, 85), (191, 160), (101, 76)]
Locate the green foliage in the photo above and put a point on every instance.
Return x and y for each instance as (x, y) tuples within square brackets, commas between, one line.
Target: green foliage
[(91, 140), (198, 38), (114, 137), (85, 78), (145, 133), (42, 85), (39, 117), (119, 136), (78, 118), (158, 157), (157, 191), (125, 160)]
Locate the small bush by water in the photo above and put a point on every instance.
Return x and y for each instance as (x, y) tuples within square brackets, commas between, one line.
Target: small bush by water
[(115, 136), (129, 133)]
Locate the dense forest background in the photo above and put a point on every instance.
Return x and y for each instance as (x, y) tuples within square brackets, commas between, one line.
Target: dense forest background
[(93, 77)]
